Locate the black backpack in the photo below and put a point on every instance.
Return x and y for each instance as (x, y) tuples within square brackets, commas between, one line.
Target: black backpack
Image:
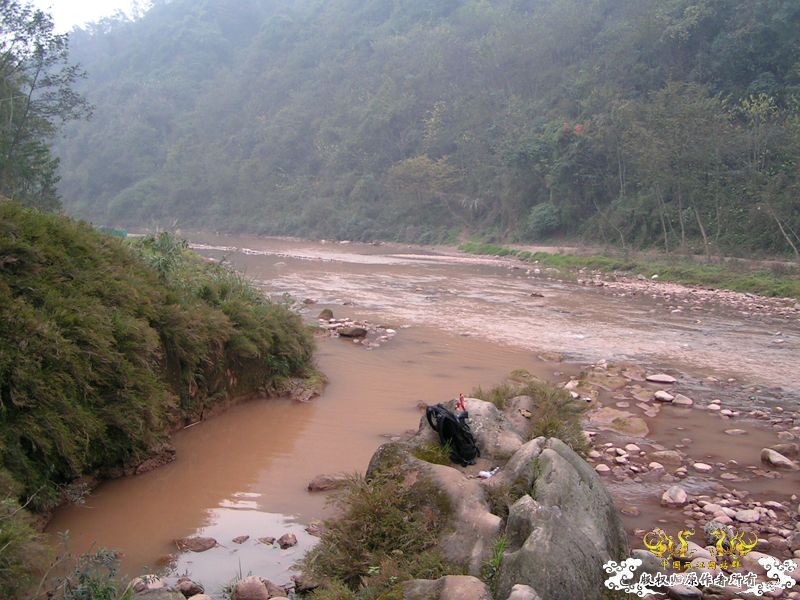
[(455, 431)]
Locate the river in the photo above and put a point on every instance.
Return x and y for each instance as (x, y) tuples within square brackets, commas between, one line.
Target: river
[(461, 322)]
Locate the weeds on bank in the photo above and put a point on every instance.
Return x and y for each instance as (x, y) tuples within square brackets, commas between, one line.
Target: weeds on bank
[(775, 281), (386, 533), (434, 453), (490, 572), (555, 413)]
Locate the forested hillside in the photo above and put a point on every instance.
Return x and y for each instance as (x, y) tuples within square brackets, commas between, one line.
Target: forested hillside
[(666, 123)]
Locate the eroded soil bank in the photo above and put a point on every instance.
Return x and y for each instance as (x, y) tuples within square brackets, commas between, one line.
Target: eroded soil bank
[(459, 322)]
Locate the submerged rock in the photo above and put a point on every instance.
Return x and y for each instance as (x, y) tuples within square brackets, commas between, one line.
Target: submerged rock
[(661, 378), (195, 544), (326, 314), (352, 332), (331, 481)]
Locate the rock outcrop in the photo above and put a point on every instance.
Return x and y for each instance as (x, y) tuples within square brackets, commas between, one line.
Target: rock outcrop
[(560, 531), (560, 534)]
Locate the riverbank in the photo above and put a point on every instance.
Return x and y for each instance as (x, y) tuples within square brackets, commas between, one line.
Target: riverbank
[(769, 279), (105, 348)]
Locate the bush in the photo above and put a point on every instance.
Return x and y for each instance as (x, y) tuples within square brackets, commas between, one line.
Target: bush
[(543, 220), (105, 348), (556, 414), (386, 533)]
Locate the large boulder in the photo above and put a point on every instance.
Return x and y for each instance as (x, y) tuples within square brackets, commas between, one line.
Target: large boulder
[(450, 587), (561, 534), (495, 434), (520, 470), (523, 592)]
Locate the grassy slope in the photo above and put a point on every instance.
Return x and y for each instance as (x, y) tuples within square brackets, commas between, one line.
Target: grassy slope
[(105, 346), (774, 282)]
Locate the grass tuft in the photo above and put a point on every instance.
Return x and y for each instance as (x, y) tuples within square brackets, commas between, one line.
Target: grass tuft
[(386, 533)]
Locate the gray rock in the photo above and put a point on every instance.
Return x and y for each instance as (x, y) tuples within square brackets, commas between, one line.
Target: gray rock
[(195, 544), (747, 516), (778, 460), (674, 496), (519, 471), (326, 314), (667, 457), (523, 592), (450, 587), (661, 378), (684, 592), (559, 534), (352, 332), (287, 540), (495, 434), (189, 588), (250, 588), (789, 450), (329, 481), (663, 396), (545, 552), (147, 583)]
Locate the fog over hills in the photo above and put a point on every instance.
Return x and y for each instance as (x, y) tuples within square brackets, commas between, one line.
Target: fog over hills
[(669, 123)]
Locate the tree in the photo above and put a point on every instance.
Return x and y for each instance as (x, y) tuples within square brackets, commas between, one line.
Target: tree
[(36, 98)]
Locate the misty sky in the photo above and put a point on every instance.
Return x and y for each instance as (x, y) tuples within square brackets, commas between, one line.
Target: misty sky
[(68, 13)]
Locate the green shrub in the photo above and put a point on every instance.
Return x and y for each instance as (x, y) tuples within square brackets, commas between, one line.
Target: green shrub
[(434, 453), (543, 219), (498, 395), (386, 533), (490, 571), (106, 346), (556, 414)]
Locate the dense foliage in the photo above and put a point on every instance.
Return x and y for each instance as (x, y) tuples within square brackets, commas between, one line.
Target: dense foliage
[(101, 353), (656, 122)]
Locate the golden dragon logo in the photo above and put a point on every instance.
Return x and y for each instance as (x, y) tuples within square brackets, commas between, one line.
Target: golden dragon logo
[(735, 544), (662, 545)]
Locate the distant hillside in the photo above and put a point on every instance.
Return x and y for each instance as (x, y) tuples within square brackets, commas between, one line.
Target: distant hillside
[(671, 123)]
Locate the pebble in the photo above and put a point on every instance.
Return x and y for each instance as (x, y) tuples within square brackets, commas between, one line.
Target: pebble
[(747, 516), (663, 396), (714, 407), (602, 468), (674, 496), (632, 448), (661, 378), (702, 467), (682, 400), (735, 432)]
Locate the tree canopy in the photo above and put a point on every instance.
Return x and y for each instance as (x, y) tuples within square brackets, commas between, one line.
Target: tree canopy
[(36, 96), (670, 123)]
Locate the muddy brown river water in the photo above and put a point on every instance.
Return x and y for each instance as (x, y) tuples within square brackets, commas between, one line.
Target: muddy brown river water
[(461, 322)]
